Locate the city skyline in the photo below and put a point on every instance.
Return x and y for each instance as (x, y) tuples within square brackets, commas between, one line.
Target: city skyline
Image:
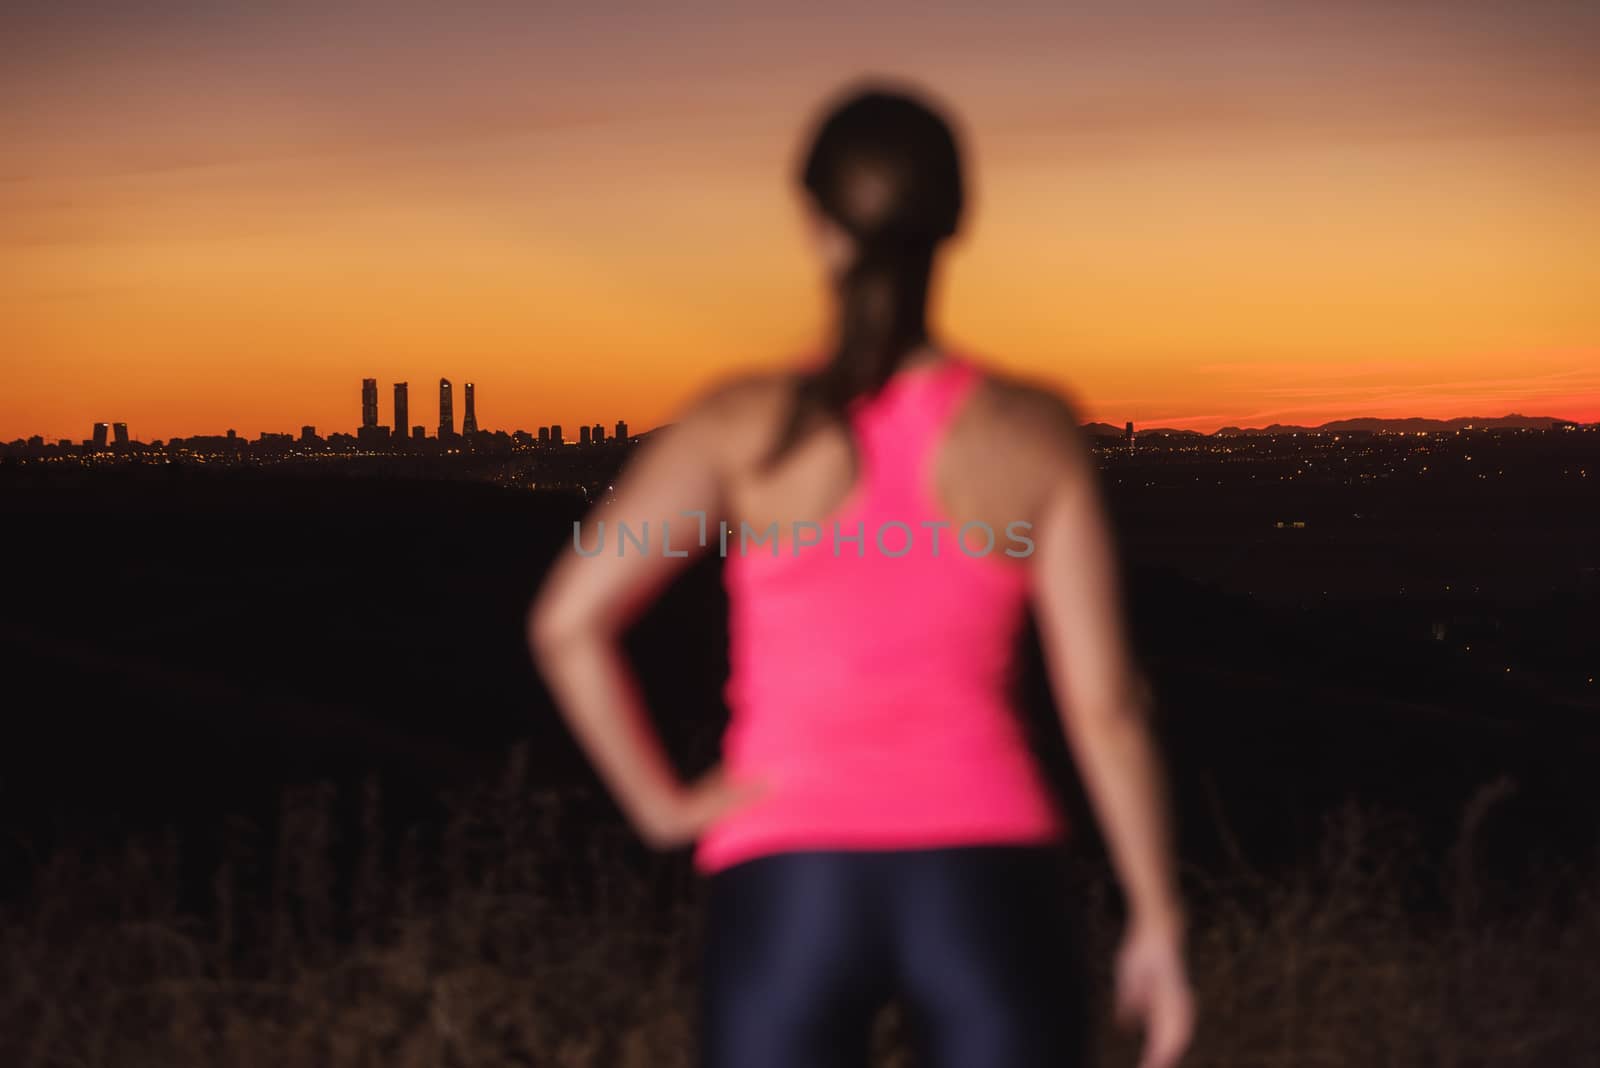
[(370, 420)]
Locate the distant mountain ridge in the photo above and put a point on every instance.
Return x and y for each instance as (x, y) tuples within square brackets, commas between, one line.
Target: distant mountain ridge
[(1358, 425)]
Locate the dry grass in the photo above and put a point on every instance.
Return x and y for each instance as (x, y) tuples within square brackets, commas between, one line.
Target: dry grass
[(473, 947)]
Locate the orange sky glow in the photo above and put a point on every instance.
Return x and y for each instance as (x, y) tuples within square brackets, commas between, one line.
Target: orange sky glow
[(217, 216)]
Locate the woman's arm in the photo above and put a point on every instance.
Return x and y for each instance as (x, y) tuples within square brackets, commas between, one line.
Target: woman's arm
[(1103, 702), (586, 602)]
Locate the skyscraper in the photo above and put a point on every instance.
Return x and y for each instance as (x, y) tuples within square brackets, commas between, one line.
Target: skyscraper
[(469, 419), (544, 435), (622, 430), (555, 433), (583, 435), (100, 431), (1127, 432), (369, 402), (401, 409), (598, 434), (447, 418), (119, 433)]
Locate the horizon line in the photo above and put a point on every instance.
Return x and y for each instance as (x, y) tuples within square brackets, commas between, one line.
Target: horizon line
[(55, 439)]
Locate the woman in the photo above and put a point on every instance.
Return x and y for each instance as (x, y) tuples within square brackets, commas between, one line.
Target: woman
[(888, 515)]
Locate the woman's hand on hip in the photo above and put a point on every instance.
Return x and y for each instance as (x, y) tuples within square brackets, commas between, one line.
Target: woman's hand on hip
[(680, 818)]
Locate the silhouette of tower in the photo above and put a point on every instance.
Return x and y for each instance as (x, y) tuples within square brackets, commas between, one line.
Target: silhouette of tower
[(447, 418), (583, 435), (369, 402), (469, 418), (555, 433), (1127, 432), (544, 435), (100, 430), (598, 434), (401, 409), (119, 433), (622, 430)]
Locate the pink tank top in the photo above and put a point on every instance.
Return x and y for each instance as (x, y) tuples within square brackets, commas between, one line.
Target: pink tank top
[(871, 656)]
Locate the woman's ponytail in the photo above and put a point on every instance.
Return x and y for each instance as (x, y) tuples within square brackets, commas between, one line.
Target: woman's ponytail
[(885, 168)]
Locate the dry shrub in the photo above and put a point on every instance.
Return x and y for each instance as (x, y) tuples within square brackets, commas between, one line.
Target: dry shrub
[(515, 937)]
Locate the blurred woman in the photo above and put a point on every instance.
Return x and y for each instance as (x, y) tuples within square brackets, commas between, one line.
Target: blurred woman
[(890, 512)]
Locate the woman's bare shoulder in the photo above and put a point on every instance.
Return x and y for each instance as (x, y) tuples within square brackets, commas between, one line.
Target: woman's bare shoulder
[(740, 411), (1030, 412)]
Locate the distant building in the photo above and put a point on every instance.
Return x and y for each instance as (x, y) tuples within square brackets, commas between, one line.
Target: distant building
[(419, 433), (447, 418), (119, 433), (369, 402), (555, 433), (1127, 431), (469, 419), (308, 432), (622, 430), (544, 435), (583, 435), (598, 434), (402, 406), (100, 432)]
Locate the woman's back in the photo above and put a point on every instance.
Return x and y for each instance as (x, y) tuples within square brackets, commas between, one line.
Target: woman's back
[(872, 639)]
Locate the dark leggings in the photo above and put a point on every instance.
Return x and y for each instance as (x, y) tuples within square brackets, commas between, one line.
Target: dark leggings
[(803, 948)]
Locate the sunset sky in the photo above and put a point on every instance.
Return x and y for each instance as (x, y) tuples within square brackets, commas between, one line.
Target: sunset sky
[(220, 215)]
